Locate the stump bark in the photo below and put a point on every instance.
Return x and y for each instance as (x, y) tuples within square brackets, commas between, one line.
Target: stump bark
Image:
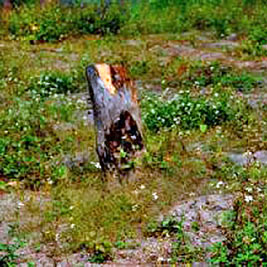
[(116, 115)]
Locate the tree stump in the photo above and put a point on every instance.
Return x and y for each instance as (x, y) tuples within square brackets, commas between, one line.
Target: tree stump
[(116, 115)]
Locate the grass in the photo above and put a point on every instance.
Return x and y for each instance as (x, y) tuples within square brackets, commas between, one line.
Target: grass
[(55, 23), (196, 114)]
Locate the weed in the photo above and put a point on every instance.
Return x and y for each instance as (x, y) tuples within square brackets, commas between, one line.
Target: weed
[(187, 112), (201, 75), (246, 232), (50, 83), (54, 22), (8, 254), (168, 225)]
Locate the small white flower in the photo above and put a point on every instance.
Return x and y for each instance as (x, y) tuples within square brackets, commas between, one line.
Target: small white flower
[(71, 207), (247, 154), (249, 189), (248, 198), (20, 204), (216, 94), (96, 164), (72, 225), (57, 237), (219, 184), (142, 187), (135, 207), (155, 195)]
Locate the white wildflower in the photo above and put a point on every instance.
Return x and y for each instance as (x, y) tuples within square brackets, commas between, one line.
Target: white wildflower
[(248, 198), (142, 187), (96, 164), (20, 204), (219, 184), (155, 195), (72, 225), (135, 207), (247, 154), (249, 189)]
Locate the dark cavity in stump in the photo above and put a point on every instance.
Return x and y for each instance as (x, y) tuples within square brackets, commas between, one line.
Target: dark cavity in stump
[(116, 115)]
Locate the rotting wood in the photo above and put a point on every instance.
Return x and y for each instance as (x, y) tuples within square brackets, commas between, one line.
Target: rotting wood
[(116, 115)]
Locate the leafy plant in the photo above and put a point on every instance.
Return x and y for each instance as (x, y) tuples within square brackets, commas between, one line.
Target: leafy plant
[(8, 254), (49, 83), (246, 235), (188, 112)]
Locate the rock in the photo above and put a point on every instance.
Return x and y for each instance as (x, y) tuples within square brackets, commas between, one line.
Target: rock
[(220, 45), (78, 160), (261, 156), (244, 159), (203, 210), (211, 56), (232, 37)]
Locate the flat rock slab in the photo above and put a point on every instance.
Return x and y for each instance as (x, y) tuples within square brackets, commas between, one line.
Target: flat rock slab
[(246, 158), (206, 211), (220, 45)]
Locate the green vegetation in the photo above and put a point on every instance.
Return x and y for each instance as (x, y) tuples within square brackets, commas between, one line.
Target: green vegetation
[(194, 112), (188, 113), (246, 228), (53, 22), (8, 254)]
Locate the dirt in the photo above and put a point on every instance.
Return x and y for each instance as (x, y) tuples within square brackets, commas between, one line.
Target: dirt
[(207, 211)]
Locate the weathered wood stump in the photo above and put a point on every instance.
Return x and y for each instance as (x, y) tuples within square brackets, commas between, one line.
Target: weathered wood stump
[(116, 115)]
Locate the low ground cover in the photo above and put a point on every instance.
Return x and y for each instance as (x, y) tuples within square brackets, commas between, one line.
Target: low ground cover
[(197, 113)]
